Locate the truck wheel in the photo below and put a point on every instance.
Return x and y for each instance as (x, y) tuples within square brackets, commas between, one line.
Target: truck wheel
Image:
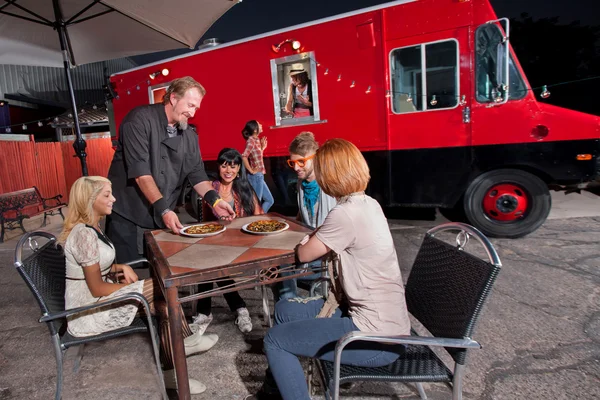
[(507, 203)]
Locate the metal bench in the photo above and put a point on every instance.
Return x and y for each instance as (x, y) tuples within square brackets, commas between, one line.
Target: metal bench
[(26, 203)]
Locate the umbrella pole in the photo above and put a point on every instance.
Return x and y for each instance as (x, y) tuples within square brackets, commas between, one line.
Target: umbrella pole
[(79, 144)]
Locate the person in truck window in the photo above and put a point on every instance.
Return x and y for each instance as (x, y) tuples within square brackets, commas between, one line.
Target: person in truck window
[(300, 93), (93, 276), (233, 187), (254, 162)]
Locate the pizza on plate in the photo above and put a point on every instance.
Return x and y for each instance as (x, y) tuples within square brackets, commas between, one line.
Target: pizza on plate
[(263, 226), (203, 229)]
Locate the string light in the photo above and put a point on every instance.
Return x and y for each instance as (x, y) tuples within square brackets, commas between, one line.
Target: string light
[(326, 71), (545, 92), (128, 92), (40, 124), (463, 100), (137, 87), (353, 84), (409, 98), (95, 107), (433, 101), (24, 127), (368, 90), (8, 130), (388, 94), (339, 77)]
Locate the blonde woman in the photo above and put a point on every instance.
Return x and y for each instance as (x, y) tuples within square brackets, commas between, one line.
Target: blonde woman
[(369, 277), (92, 275)]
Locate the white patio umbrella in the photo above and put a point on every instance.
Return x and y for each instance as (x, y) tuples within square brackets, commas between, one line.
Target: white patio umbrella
[(97, 30)]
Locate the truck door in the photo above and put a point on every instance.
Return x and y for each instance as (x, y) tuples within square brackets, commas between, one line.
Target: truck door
[(429, 117)]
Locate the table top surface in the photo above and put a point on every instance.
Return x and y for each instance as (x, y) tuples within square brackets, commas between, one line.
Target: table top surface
[(186, 254)]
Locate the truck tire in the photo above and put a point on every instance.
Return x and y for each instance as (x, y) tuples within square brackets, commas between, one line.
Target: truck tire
[(507, 203)]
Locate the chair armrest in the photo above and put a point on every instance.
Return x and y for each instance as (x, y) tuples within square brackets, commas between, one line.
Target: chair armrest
[(354, 336), (55, 199), (138, 261), (127, 296), (466, 343)]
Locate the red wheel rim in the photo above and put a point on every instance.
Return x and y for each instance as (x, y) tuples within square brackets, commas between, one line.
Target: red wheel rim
[(505, 202)]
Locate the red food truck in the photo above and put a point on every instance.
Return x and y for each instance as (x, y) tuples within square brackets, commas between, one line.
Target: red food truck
[(429, 90)]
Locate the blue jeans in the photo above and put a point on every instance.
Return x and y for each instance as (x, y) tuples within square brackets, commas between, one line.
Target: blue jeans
[(257, 181), (298, 333), (289, 289)]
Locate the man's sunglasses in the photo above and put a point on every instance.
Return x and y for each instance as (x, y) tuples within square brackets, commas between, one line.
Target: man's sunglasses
[(301, 162)]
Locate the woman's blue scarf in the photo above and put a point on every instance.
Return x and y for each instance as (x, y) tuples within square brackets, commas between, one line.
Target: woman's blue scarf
[(311, 195)]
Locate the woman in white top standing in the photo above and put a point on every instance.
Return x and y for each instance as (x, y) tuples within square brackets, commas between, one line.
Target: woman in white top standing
[(93, 276), (369, 276)]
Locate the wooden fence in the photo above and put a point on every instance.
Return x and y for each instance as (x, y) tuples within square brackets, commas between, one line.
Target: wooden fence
[(51, 166)]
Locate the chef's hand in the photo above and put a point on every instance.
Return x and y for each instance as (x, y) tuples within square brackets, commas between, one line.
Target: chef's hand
[(172, 222), (224, 211)]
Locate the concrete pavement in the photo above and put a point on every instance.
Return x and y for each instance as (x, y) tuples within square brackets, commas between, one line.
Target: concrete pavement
[(540, 329)]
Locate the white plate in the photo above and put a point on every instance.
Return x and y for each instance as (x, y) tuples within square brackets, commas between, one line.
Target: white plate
[(200, 235), (245, 229)]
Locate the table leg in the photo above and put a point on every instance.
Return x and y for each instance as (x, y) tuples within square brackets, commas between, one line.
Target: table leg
[(179, 359)]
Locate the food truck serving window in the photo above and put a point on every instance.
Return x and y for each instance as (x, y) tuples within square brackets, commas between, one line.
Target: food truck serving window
[(295, 90), (424, 77)]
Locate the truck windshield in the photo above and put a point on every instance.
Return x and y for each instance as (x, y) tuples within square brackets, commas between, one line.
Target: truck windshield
[(489, 71)]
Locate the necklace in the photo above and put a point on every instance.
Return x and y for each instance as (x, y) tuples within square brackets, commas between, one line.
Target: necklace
[(226, 195)]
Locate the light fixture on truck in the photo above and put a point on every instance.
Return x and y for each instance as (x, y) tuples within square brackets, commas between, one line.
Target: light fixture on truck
[(163, 72), (295, 45), (584, 157)]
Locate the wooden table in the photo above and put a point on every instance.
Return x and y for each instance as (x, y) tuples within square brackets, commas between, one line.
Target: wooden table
[(250, 259)]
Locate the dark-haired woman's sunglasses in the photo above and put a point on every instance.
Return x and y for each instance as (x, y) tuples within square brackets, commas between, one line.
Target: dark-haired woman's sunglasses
[(301, 162)]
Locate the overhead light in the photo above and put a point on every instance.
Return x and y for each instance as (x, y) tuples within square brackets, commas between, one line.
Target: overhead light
[(165, 71), (295, 45), (2, 104)]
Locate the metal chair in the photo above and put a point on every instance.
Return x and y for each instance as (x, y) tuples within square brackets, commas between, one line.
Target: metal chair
[(44, 273), (445, 292)]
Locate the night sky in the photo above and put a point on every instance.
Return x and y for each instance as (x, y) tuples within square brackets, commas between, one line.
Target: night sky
[(252, 17)]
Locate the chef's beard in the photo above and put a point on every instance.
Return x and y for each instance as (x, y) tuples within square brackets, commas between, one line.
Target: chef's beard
[(183, 123)]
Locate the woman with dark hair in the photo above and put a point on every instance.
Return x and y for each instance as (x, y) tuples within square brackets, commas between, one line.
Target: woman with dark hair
[(254, 163), (234, 188), (299, 101)]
